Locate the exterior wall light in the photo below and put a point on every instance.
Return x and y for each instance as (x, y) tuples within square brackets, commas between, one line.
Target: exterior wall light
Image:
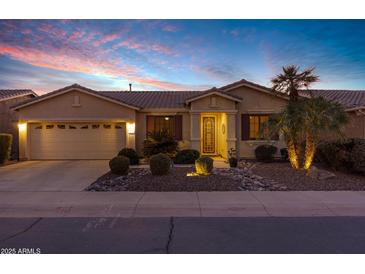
[(22, 126), (167, 118), (131, 128)]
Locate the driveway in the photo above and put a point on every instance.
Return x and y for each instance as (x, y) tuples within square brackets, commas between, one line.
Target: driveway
[(51, 175)]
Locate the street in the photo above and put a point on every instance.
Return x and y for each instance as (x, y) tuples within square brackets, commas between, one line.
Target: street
[(183, 235)]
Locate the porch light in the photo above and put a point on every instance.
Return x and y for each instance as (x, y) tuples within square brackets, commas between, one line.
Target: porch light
[(131, 128), (167, 118), (22, 126)]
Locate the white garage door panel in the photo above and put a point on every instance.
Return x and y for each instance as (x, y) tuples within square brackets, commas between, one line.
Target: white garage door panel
[(67, 143)]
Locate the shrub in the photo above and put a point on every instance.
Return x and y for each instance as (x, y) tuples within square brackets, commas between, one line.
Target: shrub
[(6, 141), (347, 155), (265, 153), (160, 164), (187, 156), (119, 165), (159, 142), (204, 165), (131, 154)]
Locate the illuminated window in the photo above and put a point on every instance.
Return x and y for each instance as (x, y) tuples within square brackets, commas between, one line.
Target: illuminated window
[(256, 124), (164, 123)]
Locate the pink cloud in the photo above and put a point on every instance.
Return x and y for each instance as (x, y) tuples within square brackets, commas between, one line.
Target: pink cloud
[(144, 47), (96, 63), (169, 28), (76, 35), (105, 39)]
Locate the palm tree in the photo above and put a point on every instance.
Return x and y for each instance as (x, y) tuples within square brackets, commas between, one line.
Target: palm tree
[(320, 116), (291, 81), (305, 121)]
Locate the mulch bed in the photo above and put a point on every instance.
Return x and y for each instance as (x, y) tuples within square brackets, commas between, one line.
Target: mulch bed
[(298, 180), (176, 180)]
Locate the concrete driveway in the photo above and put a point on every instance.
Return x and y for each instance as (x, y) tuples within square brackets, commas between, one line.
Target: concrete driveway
[(51, 175)]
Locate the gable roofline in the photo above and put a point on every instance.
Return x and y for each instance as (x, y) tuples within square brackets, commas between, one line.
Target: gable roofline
[(17, 93), (214, 91), (71, 88), (245, 83)]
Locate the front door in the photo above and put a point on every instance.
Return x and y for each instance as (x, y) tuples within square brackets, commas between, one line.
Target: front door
[(208, 135)]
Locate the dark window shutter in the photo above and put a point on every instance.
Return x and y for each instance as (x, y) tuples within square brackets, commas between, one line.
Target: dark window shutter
[(150, 124), (178, 127), (245, 127)]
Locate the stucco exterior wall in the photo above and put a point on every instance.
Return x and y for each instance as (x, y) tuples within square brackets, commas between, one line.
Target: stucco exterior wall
[(356, 125), (9, 121), (91, 109), (256, 102), (205, 104)]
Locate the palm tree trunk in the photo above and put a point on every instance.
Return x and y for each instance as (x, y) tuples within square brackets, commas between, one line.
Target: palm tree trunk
[(292, 154), (309, 151)]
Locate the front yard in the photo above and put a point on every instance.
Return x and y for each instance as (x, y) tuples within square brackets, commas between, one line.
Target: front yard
[(276, 176)]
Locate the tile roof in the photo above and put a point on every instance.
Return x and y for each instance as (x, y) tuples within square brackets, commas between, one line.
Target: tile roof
[(152, 99), (347, 98), (13, 93), (214, 89)]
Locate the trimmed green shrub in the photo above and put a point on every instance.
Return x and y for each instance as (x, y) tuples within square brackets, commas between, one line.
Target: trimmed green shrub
[(346, 155), (160, 164), (6, 141), (265, 153), (159, 142), (187, 156), (119, 165), (204, 165), (131, 154)]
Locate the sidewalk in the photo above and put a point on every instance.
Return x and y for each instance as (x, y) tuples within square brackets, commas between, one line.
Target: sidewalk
[(182, 204)]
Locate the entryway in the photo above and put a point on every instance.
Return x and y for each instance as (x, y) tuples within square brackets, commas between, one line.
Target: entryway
[(213, 134)]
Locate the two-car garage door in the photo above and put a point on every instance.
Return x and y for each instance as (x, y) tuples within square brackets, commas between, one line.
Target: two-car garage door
[(76, 140)]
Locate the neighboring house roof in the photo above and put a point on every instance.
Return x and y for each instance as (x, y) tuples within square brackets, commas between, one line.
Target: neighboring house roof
[(350, 99), (7, 94), (153, 99)]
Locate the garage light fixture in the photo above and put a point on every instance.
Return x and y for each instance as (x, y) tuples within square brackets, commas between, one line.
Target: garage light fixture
[(131, 128), (22, 126)]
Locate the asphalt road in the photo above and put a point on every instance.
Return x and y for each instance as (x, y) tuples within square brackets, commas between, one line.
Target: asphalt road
[(183, 235)]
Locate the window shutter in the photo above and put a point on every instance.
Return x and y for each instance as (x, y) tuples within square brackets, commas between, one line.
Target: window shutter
[(178, 127), (150, 124), (245, 127)]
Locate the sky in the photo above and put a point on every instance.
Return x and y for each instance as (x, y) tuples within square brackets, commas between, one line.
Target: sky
[(45, 55)]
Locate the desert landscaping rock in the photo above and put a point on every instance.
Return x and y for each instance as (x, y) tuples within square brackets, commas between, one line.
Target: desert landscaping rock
[(222, 179), (319, 178)]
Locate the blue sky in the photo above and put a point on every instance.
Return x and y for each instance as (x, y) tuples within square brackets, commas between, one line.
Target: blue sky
[(45, 55)]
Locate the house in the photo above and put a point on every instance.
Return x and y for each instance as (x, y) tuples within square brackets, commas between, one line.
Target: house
[(8, 117), (76, 122)]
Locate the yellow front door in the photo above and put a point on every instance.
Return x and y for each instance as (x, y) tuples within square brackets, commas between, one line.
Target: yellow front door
[(208, 135)]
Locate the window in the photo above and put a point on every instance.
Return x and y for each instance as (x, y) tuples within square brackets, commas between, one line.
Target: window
[(49, 126), (61, 126), (71, 127), (95, 126), (257, 123), (38, 127), (252, 126), (171, 124), (84, 127), (107, 126)]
